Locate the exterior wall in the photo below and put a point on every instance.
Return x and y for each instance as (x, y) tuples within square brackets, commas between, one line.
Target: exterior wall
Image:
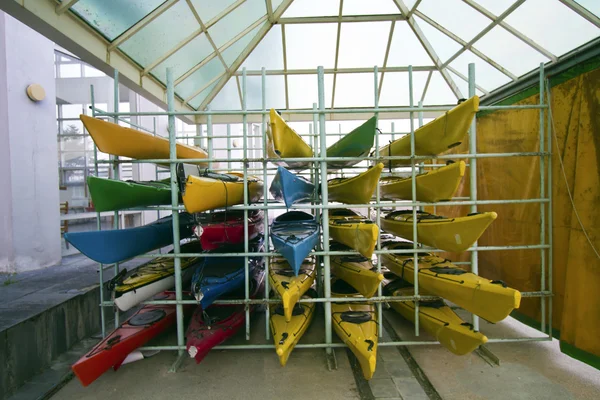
[(28, 166)]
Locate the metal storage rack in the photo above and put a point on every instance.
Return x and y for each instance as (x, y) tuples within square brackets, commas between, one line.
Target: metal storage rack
[(318, 173)]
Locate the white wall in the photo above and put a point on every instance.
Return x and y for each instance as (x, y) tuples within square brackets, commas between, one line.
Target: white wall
[(29, 198)]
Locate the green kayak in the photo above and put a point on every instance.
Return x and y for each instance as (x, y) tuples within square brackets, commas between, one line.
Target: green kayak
[(357, 143), (109, 194)]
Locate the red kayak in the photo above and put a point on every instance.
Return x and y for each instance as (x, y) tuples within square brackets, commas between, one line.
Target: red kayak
[(211, 327), (227, 227), (147, 323)]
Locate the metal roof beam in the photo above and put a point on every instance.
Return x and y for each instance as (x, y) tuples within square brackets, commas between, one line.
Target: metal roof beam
[(338, 19), (337, 50), (512, 30), (65, 5), (285, 68), (582, 11), (413, 9), (358, 70), (269, 5), (428, 48)]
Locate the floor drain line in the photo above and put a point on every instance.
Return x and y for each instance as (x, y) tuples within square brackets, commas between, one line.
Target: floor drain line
[(364, 390)]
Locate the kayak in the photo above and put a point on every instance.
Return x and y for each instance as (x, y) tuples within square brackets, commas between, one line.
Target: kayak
[(227, 227), (287, 334), (435, 317), (433, 186), (443, 133), (358, 271), (353, 230), (212, 326), (113, 246), (449, 234), (491, 300), (356, 190), (212, 190), (284, 142), (153, 277), (126, 142), (357, 144), (294, 234), (288, 285), (356, 324), (110, 194), (290, 188), (217, 276), (144, 325)]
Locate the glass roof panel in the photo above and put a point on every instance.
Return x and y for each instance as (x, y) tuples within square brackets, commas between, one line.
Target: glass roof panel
[(185, 58), (552, 25), (486, 76), (312, 8), (274, 92), (228, 97), (456, 16), (233, 51), (592, 5), (438, 92), (236, 21), (200, 78), (196, 101), (310, 45), (208, 9), (303, 90), (363, 44), (496, 7), (394, 91), (275, 4), (113, 17), (154, 39), (514, 54), (361, 7), (354, 90), (442, 44), (268, 53), (406, 48)]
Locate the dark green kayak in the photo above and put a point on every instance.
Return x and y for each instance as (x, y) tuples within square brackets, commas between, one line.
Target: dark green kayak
[(357, 143), (109, 194)]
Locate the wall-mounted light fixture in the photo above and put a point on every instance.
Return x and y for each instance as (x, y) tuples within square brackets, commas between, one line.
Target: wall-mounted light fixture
[(36, 92)]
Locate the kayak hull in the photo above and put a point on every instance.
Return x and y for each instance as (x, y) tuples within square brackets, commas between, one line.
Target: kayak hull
[(294, 234), (284, 142), (356, 190), (110, 194), (227, 227), (290, 188), (358, 272), (353, 230), (290, 286), (357, 143), (287, 334)]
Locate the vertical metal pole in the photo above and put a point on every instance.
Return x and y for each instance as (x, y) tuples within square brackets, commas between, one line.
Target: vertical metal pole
[(473, 179), (542, 205), (414, 198), (155, 167), (377, 199), (550, 228), (209, 136), (393, 132), (229, 147), (325, 213), (316, 164), (116, 176), (265, 197), (174, 204), (422, 163), (245, 150)]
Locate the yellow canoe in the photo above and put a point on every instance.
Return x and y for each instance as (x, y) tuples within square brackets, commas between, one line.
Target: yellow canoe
[(353, 230), (491, 300), (432, 186), (436, 318), (356, 324), (284, 142), (286, 334), (356, 190), (289, 286), (358, 271), (443, 133), (449, 234), (203, 193), (126, 142)]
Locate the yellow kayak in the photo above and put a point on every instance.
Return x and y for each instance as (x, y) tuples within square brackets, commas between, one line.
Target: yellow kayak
[(491, 300), (356, 324), (449, 234), (289, 286), (356, 190), (126, 142), (212, 190), (436, 318), (353, 230), (358, 271), (432, 186), (443, 133), (286, 334), (284, 142)]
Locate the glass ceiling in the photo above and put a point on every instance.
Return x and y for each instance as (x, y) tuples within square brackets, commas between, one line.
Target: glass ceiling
[(208, 42)]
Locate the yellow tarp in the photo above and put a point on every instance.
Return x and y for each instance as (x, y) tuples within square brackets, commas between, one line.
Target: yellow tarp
[(576, 268)]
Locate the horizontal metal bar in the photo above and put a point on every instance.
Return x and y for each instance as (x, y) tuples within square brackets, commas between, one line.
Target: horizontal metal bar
[(338, 70), (337, 19)]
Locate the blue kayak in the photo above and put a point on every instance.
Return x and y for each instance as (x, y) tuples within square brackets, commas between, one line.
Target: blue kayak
[(217, 276), (113, 246), (294, 235), (290, 188)]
